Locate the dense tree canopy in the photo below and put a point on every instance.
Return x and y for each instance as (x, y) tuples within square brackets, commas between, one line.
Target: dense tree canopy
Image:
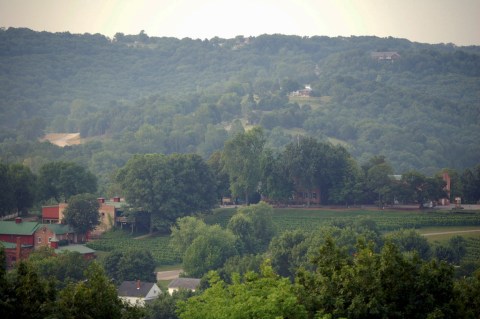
[(61, 180), (167, 187), (241, 159), (129, 265), (82, 213)]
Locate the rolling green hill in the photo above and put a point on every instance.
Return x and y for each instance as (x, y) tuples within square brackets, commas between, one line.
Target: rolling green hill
[(140, 94)]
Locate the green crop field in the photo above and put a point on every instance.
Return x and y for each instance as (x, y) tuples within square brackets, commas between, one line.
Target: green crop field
[(386, 220), (306, 219), (122, 240)]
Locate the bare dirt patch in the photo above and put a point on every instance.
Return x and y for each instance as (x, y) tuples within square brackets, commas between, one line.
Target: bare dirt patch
[(62, 139)]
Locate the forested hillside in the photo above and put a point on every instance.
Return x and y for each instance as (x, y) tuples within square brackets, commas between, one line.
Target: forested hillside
[(140, 94)]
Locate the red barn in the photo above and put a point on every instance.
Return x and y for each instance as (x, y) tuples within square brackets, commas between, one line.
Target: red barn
[(10, 231)]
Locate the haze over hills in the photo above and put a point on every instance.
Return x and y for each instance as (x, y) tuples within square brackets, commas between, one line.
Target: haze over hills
[(140, 94)]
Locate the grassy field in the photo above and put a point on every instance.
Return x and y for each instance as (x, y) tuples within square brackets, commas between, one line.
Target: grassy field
[(309, 220)]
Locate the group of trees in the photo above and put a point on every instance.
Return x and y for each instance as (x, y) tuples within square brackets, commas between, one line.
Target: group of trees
[(205, 247), (30, 292), (347, 270), (167, 187), (307, 164), (55, 181)]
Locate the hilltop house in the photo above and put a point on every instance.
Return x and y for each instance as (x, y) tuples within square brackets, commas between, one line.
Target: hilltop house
[(385, 56), (305, 92), (137, 292)]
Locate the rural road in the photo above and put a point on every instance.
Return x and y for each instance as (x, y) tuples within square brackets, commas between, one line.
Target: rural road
[(451, 232), (168, 275)]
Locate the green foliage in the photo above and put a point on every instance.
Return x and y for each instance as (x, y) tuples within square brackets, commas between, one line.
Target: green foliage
[(374, 285), (140, 94), (254, 227), (26, 294), (253, 296), (64, 268), (61, 180), (7, 200), (468, 290), (82, 213), (165, 306), (209, 251), (241, 160), (453, 252), (185, 231), (94, 298), (470, 181), (411, 241), (311, 164), (130, 265), (167, 187)]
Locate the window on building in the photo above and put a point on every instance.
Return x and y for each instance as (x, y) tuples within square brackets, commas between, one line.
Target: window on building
[(314, 195), (39, 240), (49, 239)]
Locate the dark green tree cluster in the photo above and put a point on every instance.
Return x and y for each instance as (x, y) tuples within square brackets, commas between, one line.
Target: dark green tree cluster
[(82, 213), (22, 189), (203, 247), (25, 293), (129, 265), (370, 283), (18, 192), (61, 180), (167, 187), (308, 165), (208, 247)]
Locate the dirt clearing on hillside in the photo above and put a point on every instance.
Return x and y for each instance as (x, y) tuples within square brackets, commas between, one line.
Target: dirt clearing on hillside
[(62, 139)]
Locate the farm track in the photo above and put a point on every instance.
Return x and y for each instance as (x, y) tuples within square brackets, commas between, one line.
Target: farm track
[(451, 232)]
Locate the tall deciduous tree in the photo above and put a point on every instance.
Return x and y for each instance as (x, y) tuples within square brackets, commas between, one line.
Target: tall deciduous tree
[(276, 185), (167, 187), (7, 198), (378, 177), (209, 251), (82, 213), (136, 265), (471, 184), (241, 159), (312, 164), (254, 227), (185, 231), (420, 188), (23, 185), (61, 180)]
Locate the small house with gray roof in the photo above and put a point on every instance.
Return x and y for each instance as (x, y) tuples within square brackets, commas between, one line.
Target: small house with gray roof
[(138, 292), (183, 283)]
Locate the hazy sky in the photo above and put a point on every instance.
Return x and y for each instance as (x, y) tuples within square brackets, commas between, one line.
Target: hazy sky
[(431, 21)]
